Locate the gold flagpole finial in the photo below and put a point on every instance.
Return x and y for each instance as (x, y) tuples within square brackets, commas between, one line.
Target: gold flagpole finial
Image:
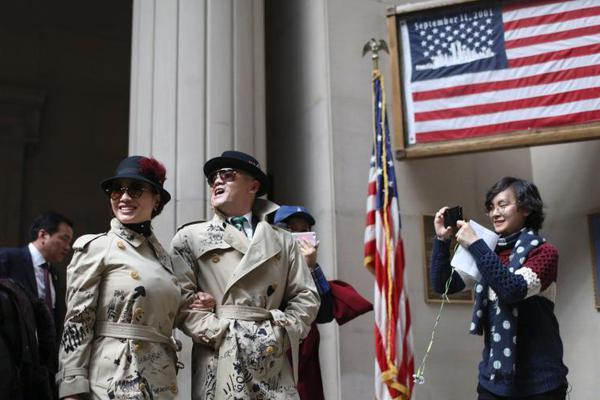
[(374, 46)]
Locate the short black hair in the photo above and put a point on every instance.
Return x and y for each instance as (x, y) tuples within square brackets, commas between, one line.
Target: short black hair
[(528, 199), (48, 221)]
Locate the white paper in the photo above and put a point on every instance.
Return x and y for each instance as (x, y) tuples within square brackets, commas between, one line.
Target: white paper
[(464, 262)]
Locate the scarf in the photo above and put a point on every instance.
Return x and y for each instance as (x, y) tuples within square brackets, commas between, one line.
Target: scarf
[(503, 317)]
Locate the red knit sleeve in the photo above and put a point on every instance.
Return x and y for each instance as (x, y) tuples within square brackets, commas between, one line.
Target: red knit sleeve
[(543, 262)]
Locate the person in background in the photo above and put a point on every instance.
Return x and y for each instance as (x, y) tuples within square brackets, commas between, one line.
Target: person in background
[(30, 316), (50, 237), (124, 298), (263, 288), (514, 305), (339, 300)]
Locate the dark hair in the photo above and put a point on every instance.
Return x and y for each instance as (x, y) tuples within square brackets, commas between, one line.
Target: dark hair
[(159, 207), (48, 221), (528, 199)]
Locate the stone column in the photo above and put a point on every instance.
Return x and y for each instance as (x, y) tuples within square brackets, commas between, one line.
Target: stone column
[(197, 88)]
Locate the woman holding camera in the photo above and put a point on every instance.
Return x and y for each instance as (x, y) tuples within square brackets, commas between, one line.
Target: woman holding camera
[(514, 305), (124, 299)]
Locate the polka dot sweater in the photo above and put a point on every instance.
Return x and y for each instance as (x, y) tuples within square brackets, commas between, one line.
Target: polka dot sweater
[(532, 289)]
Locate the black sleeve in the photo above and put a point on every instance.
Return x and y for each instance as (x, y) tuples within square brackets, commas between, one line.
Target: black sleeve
[(441, 269)]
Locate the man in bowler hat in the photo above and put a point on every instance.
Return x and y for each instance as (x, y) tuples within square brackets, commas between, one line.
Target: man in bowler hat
[(261, 283)]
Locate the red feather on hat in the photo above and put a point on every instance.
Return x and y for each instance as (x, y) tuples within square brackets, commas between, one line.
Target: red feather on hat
[(153, 169)]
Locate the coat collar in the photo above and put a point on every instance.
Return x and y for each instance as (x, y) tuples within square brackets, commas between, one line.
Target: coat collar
[(230, 235), (136, 239)]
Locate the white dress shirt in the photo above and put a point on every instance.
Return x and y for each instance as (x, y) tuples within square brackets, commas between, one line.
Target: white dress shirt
[(38, 260)]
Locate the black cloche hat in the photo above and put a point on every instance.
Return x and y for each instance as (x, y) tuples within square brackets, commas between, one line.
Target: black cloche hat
[(238, 160), (143, 169)]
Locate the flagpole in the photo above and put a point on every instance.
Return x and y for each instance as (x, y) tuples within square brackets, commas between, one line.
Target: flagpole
[(384, 254)]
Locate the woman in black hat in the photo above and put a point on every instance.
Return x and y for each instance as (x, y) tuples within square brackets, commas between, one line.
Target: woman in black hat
[(123, 298)]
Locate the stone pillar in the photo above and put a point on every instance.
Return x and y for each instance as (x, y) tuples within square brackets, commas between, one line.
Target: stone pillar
[(197, 88)]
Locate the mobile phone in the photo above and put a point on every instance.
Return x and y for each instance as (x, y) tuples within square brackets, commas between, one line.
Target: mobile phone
[(451, 215), (310, 237)]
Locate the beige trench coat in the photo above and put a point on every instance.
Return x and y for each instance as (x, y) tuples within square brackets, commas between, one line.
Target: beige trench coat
[(123, 301), (264, 290)]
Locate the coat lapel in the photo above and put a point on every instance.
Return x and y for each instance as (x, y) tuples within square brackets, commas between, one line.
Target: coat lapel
[(264, 245), (28, 271)]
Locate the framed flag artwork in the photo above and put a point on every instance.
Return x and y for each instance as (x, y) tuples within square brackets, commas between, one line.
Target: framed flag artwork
[(480, 75)]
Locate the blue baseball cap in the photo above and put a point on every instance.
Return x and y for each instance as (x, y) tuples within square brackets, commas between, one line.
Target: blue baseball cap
[(286, 212)]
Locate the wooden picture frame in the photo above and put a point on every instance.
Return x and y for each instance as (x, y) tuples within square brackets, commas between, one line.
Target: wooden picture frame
[(594, 225), (504, 140), (464, 297)]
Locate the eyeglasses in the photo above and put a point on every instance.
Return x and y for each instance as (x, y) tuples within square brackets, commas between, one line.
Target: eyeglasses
[(134, 190), (501, 207), (224, 174)]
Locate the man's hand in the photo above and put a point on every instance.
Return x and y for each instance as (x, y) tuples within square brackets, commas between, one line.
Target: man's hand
[(203, 302), (309, 252), (465, 235)]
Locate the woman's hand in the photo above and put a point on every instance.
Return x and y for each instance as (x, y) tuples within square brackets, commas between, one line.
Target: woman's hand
[(465, 235), (203, 302), (309, 252), (441, 231)]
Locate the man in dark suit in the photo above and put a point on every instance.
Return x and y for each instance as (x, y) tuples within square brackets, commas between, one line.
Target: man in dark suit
[(51, 235), (28, 309)]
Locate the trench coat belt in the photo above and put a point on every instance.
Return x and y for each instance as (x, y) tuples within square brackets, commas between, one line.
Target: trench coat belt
[(249, 313), (134, 332)]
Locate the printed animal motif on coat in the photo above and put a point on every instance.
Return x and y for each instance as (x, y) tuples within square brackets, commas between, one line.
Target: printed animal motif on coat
[(116, 304), (257, 353), (127, 316), (77, 329), (132, 387)]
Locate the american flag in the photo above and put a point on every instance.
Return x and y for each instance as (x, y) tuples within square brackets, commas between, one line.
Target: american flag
[(384, 256), (498, 67)]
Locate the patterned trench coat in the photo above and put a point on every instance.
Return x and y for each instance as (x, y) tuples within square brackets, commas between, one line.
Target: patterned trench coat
[(265, 293), (123, 301)]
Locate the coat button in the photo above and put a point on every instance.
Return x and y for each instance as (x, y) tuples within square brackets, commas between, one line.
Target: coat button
[(174, 280), (138, 312), (216, 259), (136, 347), (142, 386), (174, 389), (121, 245), (269, 350), (135, 275)]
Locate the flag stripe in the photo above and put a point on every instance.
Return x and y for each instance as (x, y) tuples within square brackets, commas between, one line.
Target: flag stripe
[(555, 55), (517, 83), (533, 113), (552, 37), (529, 8), (487, 130), (552, 99), (551, 19), (513, 94)]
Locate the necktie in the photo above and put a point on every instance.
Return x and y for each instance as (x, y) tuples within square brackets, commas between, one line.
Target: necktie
[(238, 222), (47, 291)]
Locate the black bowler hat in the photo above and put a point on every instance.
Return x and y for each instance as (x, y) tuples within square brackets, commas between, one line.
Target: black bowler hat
[(143, 169), (238, 160)]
